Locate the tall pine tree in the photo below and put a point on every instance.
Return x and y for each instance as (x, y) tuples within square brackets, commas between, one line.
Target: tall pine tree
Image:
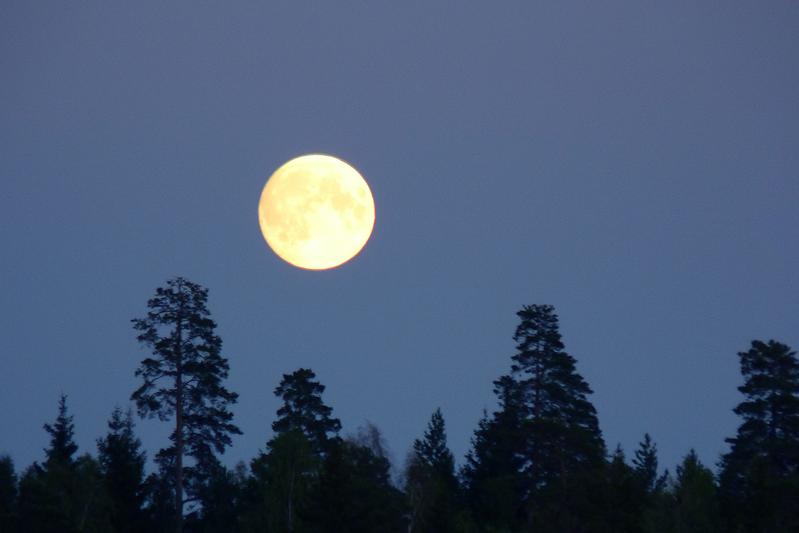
[(184, 379), (564, 450), (760, 473)]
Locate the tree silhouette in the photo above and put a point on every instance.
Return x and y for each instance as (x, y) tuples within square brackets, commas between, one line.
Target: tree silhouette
[(760, 473), (122, 462), (431, 481), (492, 471), (184, 378), (303, 409), (65, 494), (62, 443), (694, 492), (563, 443)]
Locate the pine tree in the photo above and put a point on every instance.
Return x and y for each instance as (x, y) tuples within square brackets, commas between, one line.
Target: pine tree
[(122, 462), (430, 480), (303, 409), (184, 378), (564, 450), (760, 473)]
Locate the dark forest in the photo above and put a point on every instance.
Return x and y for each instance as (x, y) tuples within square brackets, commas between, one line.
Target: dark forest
[(537, 463)]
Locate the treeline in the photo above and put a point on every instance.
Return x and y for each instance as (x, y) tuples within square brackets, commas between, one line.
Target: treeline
[(537, 464)]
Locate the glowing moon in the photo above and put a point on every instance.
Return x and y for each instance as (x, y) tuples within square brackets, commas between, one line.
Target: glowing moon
[(316, 212)]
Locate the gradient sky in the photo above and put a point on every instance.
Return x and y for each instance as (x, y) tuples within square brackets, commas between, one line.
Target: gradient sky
[(635, 164)]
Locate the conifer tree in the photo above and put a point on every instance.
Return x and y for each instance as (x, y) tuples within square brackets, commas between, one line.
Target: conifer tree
[(760, 473), (646, 465), (282, 483), (219, 493), (47, 491), (122, 462), (694, 493), (285, 476), (624, 496), (657, 504), (184, 379), (65, 494), (564, 450), (62, 443), (303, 409), (430, 480), (492, 472)]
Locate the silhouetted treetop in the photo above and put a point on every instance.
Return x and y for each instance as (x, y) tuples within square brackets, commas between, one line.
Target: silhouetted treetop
[(304, 410)]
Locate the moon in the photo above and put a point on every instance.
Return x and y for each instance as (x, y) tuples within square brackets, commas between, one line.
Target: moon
[(316, 212)]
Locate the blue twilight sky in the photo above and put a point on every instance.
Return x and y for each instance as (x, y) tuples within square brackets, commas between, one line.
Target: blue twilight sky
[(635, 164)]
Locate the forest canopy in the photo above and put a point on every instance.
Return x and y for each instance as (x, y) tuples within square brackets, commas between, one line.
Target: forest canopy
[(538, 463)]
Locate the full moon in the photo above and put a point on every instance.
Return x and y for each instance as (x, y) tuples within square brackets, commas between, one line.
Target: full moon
[(316, 212)]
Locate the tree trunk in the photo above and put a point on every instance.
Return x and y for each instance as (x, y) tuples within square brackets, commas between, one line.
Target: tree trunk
[(179, 431)]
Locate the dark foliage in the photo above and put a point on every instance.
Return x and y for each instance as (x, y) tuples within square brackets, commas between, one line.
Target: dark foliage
[(355, 492), (537, 463), (303, 409), (64, 494), (431, 484), (122, 463), (760, 474)]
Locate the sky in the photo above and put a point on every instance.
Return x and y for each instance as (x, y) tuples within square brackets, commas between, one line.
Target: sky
[(634, 164)]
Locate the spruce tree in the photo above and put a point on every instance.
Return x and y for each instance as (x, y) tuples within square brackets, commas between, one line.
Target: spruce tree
[(646, 465), (64, 494), (760, 473), (48, 491), (657, 503), (62, 444), (184, 379), (431, 484), (695, 499), (303, 409), (624, 496), (122, 462), (492, 472)]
